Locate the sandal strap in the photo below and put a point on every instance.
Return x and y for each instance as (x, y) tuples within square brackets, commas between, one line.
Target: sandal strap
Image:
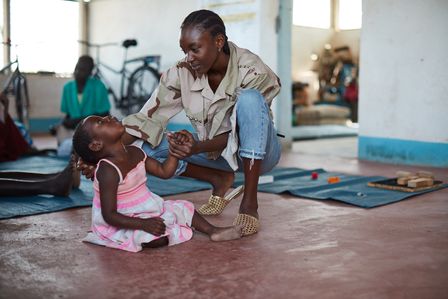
[(216, 204), (250, 224)]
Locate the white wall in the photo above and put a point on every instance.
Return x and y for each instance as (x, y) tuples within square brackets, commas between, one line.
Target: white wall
[(267, 31), (404, 70), (349, 38), (45, 93)]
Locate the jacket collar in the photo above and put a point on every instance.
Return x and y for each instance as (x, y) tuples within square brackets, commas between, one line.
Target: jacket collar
[(229, 81)]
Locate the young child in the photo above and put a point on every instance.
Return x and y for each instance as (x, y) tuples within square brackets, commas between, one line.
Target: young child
[(125, 213)]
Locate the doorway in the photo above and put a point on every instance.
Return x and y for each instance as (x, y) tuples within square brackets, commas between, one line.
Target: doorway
[(325, 39)]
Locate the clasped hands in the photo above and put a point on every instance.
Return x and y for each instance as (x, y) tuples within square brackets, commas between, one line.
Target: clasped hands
[(181, 145)]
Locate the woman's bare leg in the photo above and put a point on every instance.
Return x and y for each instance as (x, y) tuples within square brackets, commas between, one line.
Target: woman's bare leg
[(219, 179), (249, 203)]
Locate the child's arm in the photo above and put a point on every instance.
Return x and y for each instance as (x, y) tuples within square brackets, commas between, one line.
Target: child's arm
[(166, 169), (163, 170), (108, 183)]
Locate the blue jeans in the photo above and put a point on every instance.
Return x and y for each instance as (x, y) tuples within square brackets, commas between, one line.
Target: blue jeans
[(257, 138)]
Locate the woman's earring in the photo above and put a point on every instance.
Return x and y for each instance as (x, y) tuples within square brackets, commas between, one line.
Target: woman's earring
[(219, 49)]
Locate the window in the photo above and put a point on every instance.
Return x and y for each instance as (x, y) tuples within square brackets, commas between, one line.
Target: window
[(44, 35), (349, 14), (312, 13)]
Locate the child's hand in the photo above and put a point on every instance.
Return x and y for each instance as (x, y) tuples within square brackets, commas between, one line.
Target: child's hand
[(182, 144), (86, 169), (181, 137), (154, 226)]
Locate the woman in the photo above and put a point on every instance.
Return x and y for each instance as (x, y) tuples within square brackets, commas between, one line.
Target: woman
[(225, 91)]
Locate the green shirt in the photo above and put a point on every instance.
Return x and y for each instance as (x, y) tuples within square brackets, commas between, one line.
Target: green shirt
[(95, 99)]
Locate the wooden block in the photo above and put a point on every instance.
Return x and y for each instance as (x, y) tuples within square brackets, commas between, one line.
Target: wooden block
[(421, 182), (425, 174), (404, 181), (402, 174)]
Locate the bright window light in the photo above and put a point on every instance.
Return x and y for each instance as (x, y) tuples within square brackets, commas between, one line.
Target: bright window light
[(44, 35), (312, 13), (350, 14)]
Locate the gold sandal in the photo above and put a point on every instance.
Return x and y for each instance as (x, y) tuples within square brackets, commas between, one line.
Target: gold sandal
[(250, 224), (216, 204)]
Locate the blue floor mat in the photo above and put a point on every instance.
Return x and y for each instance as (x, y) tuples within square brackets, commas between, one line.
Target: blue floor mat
[(351, 189), (30, 205)]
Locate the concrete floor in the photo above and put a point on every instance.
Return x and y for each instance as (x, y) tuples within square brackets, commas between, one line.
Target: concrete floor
[(306, 249)]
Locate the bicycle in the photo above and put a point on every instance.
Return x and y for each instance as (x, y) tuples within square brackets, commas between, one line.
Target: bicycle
[(17, 85), (140, 83)]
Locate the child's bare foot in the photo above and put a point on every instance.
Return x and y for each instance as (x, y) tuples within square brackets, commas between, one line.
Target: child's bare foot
[(62, 183), (227, 233)]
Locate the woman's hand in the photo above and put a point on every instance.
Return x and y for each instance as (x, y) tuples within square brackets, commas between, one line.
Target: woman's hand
[(154, 226), (182, 144), (87, 170)]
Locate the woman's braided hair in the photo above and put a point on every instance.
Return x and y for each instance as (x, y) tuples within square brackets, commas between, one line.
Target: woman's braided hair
[(209, 21)]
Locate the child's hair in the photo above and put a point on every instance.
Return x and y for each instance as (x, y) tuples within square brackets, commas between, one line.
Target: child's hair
[(209, 21), (81, 141)]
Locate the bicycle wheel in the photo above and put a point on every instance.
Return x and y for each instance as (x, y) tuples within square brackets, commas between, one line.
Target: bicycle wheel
[(142, 83), (22, 100)]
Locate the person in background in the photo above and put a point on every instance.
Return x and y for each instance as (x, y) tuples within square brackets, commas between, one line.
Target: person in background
[(12, 143), (82, 97)]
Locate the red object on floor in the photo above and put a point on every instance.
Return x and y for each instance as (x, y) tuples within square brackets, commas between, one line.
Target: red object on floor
[(314, 175)]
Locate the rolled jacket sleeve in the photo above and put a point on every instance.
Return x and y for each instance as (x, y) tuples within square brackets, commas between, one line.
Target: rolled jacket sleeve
[(165, 102)]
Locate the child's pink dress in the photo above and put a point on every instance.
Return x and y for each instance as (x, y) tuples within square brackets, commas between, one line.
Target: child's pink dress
[(134, 199)]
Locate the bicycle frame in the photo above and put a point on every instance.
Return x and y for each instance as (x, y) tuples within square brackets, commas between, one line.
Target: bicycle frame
[(11, 76), (8, 66), (123, 71), (16, 83)]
